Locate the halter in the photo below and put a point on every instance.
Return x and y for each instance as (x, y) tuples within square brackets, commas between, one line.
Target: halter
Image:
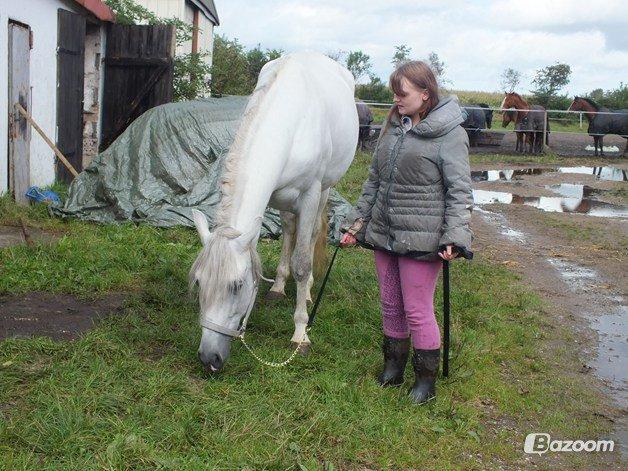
[(241, 328)]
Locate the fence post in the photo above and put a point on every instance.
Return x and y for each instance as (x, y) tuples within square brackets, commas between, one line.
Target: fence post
[(580, 114), (544, 132)]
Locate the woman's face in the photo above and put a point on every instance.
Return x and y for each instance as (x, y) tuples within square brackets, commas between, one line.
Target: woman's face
[(411, 99)]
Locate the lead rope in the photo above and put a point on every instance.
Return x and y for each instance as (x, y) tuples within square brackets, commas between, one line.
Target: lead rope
[(307, 329), (272, 363)]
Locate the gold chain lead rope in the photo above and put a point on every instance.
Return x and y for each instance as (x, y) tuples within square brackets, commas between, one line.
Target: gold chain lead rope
[(271, 363)]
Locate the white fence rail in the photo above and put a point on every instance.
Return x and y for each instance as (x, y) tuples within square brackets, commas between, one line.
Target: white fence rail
[(580, 115)]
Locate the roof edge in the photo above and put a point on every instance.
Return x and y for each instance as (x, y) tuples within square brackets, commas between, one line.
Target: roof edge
[(99, 9)]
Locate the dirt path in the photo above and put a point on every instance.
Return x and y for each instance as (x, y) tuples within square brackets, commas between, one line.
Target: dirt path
[(576, 262), (560, 144)]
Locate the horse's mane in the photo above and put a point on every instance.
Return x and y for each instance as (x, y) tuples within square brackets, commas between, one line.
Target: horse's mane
[(591, 102), (233, 159), (216, 265)]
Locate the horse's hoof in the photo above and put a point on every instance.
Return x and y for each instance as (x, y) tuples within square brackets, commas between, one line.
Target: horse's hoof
[(274, 296), (304, 349)]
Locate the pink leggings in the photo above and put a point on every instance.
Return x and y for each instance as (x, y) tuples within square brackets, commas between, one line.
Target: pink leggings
[(406, 288)]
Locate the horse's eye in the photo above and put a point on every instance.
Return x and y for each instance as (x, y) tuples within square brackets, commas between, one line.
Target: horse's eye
[(235, 286)]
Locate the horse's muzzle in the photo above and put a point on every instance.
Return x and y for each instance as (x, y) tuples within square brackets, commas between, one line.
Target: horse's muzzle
[(212, 362)]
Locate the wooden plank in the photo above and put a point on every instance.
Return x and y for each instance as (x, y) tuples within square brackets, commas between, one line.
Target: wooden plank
[(19, 92), (54, 148), (135, 62)]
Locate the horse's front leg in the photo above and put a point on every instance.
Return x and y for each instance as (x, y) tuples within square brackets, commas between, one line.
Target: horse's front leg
[(301, 261), (595, 139), (602, 146), (288, 229)]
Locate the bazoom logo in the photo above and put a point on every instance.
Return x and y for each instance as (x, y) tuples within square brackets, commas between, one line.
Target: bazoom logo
[(541, 443)]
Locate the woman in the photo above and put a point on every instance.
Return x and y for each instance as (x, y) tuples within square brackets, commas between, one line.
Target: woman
[(414, 212)]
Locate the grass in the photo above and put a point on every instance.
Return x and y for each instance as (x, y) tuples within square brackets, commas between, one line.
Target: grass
[(130, 394)]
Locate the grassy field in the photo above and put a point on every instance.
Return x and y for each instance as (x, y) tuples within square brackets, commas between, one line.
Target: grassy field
[(131, 394)]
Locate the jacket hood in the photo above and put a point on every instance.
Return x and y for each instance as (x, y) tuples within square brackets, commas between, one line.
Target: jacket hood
[(444, 117)]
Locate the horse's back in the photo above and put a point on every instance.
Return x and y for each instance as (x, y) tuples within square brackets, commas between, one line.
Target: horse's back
[(311, 97), (331, 114)]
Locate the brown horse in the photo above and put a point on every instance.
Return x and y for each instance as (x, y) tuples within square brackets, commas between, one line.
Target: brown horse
[(609, 122), (511, 117), (530, 121)]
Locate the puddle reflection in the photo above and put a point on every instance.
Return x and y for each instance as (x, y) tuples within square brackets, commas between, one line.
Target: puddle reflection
[(603, 173), (579, 205)]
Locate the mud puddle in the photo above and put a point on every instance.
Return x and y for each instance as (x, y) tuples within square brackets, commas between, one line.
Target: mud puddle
[(60, 317)]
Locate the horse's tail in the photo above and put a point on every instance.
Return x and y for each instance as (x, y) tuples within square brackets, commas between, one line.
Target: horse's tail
[(547, 129), (320, 248)]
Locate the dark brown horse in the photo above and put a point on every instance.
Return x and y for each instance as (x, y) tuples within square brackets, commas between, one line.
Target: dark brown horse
[(530, 121), (609, 122), (365, 117)]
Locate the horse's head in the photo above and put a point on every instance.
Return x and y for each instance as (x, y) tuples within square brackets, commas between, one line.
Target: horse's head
[(576, 104), (227, 271)]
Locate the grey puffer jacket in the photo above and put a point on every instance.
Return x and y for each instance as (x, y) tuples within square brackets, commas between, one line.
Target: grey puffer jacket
[(418, 197)]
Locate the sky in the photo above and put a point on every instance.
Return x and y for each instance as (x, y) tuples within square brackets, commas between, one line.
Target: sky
[(477, 40)]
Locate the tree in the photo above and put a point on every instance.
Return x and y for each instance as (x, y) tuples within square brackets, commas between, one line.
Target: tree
[(401, 55), (338, 56), (549, 81), (375, 90), (230, 68), (438, 67), (256, 59), (509, 80), (359, 64), (614, 99)]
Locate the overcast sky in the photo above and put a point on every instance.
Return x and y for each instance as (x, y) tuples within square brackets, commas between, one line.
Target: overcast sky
[(477, 40)]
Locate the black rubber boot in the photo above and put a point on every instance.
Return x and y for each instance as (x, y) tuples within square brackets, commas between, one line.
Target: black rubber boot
[(396, 352), (425, 364)]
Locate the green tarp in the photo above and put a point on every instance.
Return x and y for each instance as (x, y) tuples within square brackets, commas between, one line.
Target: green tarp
[(166, 163)]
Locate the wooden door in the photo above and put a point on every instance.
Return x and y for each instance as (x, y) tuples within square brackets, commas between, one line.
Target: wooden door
[(19, 92), (139, 70), (70, 83)]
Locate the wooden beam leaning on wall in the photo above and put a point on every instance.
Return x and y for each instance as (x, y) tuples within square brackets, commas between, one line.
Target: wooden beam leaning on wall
[(54, 148)]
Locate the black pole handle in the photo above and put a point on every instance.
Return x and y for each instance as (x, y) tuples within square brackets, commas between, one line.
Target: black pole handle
[(446, 318)]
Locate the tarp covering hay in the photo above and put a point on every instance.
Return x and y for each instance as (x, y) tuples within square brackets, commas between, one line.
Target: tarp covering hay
[(166, 163)]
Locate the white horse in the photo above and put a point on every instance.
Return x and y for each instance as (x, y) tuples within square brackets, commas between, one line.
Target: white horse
[(296, 139)]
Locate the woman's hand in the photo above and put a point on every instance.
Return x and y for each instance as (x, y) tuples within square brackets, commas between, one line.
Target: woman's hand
[(347, 240), (449, 254)]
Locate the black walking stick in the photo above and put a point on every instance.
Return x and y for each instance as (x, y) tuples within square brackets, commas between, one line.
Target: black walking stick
[(446, 318)]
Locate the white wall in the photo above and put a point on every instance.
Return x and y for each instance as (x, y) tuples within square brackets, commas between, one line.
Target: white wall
[(184, 11), (41, 16)]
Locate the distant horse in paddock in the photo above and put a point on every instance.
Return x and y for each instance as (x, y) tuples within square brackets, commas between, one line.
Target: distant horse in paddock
[(615, 122), (365, 117), (530, 120), (476, 121)]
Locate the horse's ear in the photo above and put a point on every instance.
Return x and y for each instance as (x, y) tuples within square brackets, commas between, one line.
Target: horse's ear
[(202, 225), (245, 240)]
